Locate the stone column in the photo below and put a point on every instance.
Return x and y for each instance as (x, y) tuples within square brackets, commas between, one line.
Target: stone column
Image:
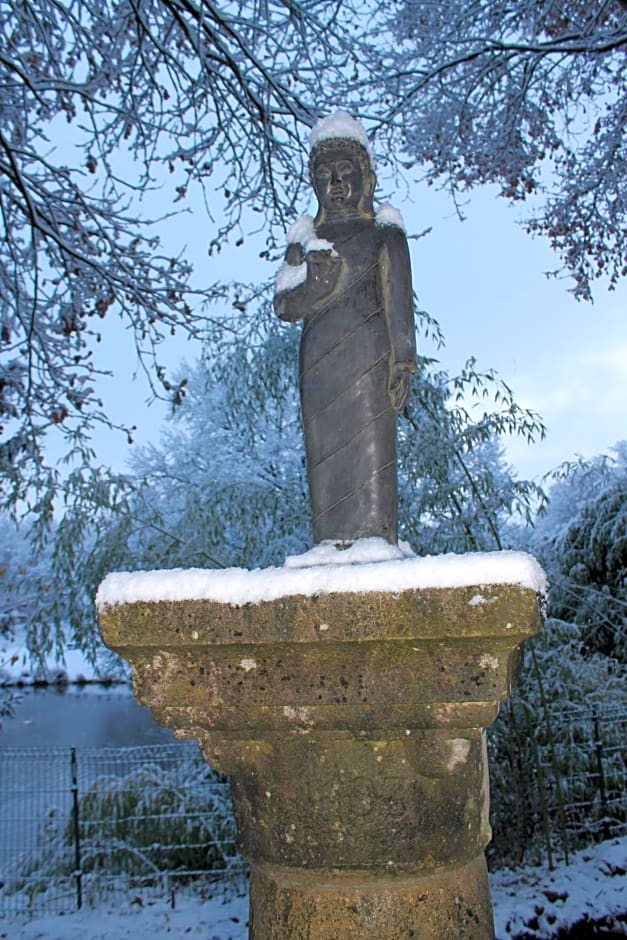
[(353, 726)]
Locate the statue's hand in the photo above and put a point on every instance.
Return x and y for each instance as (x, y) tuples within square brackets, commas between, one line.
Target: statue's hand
[(294, 254), (398, 386), (323, 271)]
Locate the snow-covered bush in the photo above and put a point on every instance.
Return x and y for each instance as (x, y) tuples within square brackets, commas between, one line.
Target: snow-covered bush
[(456, 492), (150, 821), (132, 831), (582, 542), (558, 778), (558, 774), (227, 484)]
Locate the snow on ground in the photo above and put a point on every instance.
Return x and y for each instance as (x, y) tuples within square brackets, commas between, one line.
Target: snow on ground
[(370, 573), (530, 902), (192, 917), (535, 902)]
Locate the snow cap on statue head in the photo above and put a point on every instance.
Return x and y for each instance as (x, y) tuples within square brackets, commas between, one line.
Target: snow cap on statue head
[(342, 126), (340, 129)]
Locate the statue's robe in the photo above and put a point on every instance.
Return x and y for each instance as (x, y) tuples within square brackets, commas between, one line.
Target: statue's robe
[(350, 343)]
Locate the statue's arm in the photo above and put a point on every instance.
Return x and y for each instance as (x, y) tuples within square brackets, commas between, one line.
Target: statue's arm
[(289, 300), (398, 305), (287, 306), (308, 285)]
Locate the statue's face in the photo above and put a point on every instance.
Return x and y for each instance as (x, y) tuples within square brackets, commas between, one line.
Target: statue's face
[(337, 178)]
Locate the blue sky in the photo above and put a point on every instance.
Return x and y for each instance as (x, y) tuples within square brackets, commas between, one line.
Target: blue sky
[(483, 279)]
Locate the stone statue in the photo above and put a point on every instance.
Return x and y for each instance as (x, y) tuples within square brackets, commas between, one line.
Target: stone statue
[(347, 275)]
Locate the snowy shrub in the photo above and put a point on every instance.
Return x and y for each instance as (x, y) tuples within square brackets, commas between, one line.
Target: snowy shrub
[(151, 822), (456, 492), (147, 822), (558, 777), (582, 542), (558, 773), (227, 485)]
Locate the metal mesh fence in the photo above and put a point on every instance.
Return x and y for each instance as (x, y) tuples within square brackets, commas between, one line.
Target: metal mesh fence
[(80, 825), (558, 781), (35, 801)]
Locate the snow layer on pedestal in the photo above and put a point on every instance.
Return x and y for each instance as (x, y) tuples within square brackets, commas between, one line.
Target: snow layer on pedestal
[(240, 586)]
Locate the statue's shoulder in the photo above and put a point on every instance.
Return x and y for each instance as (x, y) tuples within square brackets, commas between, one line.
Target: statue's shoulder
[(390, 229), (389, 221)]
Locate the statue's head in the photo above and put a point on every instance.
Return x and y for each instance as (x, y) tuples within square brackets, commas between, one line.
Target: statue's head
[(340, 167)]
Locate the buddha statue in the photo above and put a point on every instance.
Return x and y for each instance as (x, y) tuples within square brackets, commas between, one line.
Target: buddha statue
[(347, 277)]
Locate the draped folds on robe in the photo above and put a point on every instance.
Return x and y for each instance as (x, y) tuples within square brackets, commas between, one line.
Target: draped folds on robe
[(348, 345)]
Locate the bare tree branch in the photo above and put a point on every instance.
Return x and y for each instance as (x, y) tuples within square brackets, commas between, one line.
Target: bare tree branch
[(531, 97), (195, 90)]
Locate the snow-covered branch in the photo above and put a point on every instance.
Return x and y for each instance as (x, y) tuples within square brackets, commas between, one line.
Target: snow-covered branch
[(530, 97), (104, 104)]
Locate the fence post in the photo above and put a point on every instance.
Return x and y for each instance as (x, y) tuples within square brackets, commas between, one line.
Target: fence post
[(557, 770), (598, 749), (541, 791), (516, 757), (77, 841)]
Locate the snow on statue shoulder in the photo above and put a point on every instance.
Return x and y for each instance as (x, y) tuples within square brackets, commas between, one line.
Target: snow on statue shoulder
[(347, 276)]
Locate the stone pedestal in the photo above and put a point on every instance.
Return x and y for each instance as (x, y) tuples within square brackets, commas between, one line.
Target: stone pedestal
[(353, 726)]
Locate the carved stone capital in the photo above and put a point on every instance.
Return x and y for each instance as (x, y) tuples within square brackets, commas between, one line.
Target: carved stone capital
[(353, 726)]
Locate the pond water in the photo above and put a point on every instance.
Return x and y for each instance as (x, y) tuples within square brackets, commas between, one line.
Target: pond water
[(35, 764), (80, 716)]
